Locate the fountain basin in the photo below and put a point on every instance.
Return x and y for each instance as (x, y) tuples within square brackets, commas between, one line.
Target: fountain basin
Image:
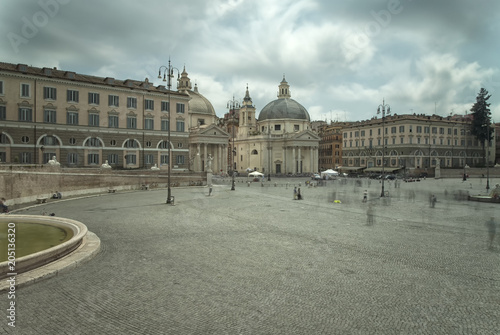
[(40, 258)]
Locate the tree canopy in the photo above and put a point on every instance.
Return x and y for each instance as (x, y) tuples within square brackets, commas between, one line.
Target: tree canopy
[(482, 117)]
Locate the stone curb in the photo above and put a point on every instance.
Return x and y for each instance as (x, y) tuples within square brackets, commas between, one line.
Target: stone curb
[(89, 248)]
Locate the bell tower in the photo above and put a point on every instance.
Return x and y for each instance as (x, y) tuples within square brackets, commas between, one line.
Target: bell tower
[(247, 116), (284, 89)]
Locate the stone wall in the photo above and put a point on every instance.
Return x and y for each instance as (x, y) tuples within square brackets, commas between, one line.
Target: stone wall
[(24, 184)]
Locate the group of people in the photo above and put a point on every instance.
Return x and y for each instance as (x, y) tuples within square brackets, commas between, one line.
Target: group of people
[(3, 206), (296, 194)]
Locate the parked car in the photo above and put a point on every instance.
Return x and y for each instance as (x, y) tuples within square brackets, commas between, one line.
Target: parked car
[(316, 176)]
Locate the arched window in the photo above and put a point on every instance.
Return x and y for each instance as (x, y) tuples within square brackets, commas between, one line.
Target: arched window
[(254, 152)]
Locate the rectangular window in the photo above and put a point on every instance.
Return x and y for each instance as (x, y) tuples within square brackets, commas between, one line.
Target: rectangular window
[(165, 106), (441, 130), (130, 159), (113, 121), (379, 131), (25, 114), (72, 158), (164, 125), (49, 116), (163, 159), (112, 159), (362, 133), (180, 126), (356, 134), (401, 129), (295, 127), (3, 113), (149, 159), (455, 131), (419, 129), (402, 140), (378, 141), (25, 90), (180, 108), (434, 130), (149, 104), (418, 140), (426, 130), (149, 124), (25, 157), (131, 102), (277, 127), (179, 160), (94, 120), (50, 93), (393, 130), (93, 159), (113, 100), (72, 96), (131, 122), (72, 118), (94, 98), (1, 87)]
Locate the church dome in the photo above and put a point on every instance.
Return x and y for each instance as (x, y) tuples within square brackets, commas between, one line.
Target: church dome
[(199, 104), (284, 107)]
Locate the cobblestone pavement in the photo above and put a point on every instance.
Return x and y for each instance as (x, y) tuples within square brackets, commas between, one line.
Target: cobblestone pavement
[(254, 261)]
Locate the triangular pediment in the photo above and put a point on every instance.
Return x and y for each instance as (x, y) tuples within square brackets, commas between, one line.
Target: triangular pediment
[(306, 135), (211, 130)]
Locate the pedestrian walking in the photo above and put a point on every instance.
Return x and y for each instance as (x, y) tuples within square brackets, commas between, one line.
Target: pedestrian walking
[(492, 231), (295, 193), (365, 195), (432, 200), (299, 196), (370, 213)]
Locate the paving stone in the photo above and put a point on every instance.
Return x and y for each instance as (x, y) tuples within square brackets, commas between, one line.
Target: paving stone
[(254, 261)]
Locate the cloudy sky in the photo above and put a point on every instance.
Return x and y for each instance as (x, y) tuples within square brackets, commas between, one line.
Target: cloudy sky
[(341, 58)]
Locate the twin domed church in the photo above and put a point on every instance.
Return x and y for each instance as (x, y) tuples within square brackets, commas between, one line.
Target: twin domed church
[(279, 140)]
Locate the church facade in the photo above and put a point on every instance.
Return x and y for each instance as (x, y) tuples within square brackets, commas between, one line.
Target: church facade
[(280, 141)]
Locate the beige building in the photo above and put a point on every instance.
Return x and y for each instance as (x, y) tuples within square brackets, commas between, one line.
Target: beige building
[(85, 120), (411, 142), (280, 141)]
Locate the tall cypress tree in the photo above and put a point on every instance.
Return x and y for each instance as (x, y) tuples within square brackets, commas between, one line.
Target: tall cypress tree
[(482, 119)]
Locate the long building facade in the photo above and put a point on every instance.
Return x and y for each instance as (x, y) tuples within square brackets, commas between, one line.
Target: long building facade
[(85, 121), (411, 142)]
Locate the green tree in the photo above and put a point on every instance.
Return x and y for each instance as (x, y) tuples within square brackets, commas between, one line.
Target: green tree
[(482, 119)]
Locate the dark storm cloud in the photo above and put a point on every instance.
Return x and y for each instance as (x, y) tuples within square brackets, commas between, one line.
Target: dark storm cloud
[(336, 55)]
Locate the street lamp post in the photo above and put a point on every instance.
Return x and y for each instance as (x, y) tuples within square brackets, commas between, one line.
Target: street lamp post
[(168, 74), (232, 105), (383, 109)]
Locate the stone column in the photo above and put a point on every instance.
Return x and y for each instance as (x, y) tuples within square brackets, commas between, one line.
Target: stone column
[(311, 156), (299, 160), (219, 160), (294, 161), (197, 159), (205, 155), (284, 161)]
